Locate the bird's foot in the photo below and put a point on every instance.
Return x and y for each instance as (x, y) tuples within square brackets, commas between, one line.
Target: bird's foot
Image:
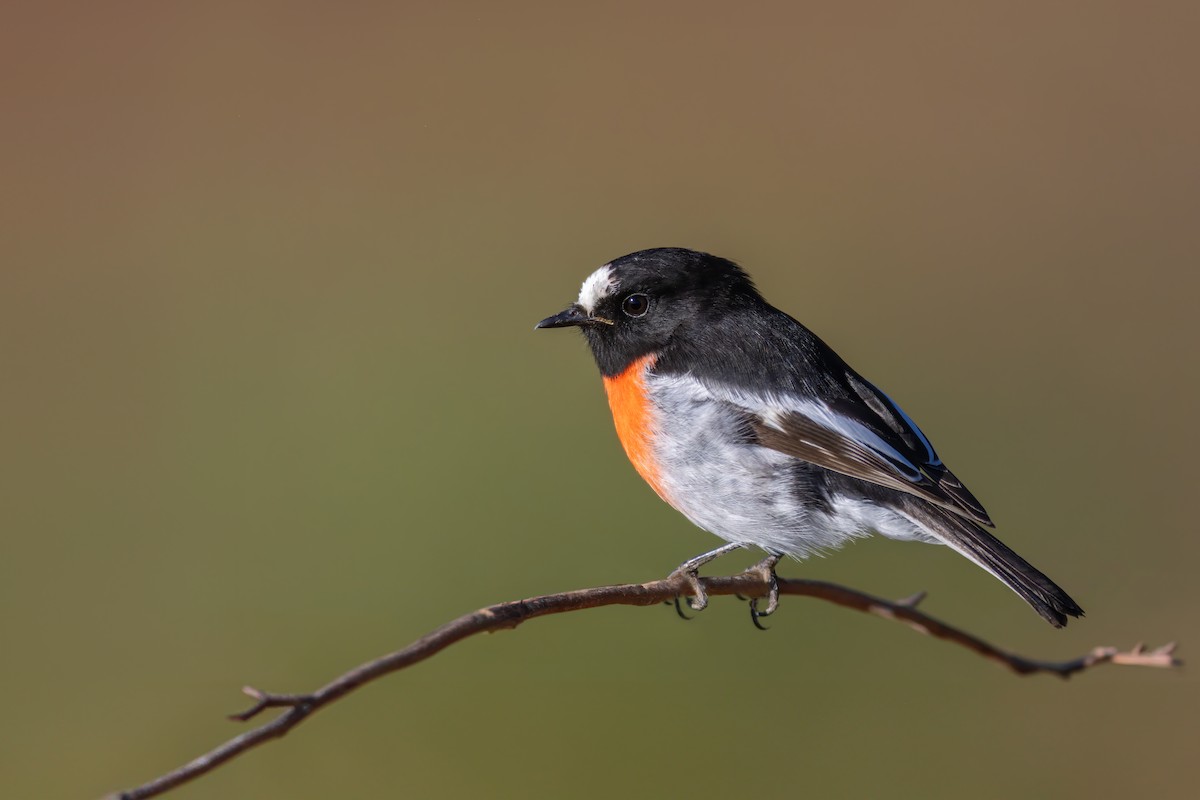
[(766, 570), (698, 599), (688, 571)]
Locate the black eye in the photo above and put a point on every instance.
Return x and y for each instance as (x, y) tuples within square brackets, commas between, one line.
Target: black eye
[(636, 305)]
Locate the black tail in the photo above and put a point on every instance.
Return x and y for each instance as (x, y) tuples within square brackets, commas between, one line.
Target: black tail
[(987, 551)]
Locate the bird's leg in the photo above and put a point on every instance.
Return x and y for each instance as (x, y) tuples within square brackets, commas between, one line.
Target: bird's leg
[(765, 568), (688, 570)]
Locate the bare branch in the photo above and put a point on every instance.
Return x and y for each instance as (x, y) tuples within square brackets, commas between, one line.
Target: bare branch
[(749, 584)]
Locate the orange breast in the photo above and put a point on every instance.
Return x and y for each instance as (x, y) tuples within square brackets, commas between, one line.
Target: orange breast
[(632, 414)]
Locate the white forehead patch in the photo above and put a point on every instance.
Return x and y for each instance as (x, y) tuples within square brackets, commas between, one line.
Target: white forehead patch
[(596, 287)]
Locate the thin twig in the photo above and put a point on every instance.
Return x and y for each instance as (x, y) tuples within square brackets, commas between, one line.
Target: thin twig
[(512, 614)]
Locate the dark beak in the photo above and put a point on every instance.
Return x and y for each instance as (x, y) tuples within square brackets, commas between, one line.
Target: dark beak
[(574, 316)]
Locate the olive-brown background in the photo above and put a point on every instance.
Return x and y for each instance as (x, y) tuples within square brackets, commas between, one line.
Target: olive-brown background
[(272, 403)]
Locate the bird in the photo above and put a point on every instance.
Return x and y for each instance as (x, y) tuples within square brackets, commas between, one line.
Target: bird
[(753, 428)]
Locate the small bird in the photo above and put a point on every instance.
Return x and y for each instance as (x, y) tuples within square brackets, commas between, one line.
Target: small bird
[(754, 429)]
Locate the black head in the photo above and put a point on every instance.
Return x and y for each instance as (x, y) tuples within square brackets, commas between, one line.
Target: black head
[(642, 302)]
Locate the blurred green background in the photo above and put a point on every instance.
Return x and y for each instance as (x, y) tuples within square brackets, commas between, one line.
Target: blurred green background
[(273, 403)]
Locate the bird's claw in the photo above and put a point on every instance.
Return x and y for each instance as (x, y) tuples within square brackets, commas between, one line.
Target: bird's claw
[(688, 573), (699, 598), (679, 609), (766, 569)]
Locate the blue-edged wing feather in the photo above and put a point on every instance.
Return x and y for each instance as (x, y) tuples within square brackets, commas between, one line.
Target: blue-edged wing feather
[(907, 439)]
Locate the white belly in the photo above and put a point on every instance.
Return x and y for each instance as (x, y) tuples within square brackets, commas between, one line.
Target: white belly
[(746, 493)]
